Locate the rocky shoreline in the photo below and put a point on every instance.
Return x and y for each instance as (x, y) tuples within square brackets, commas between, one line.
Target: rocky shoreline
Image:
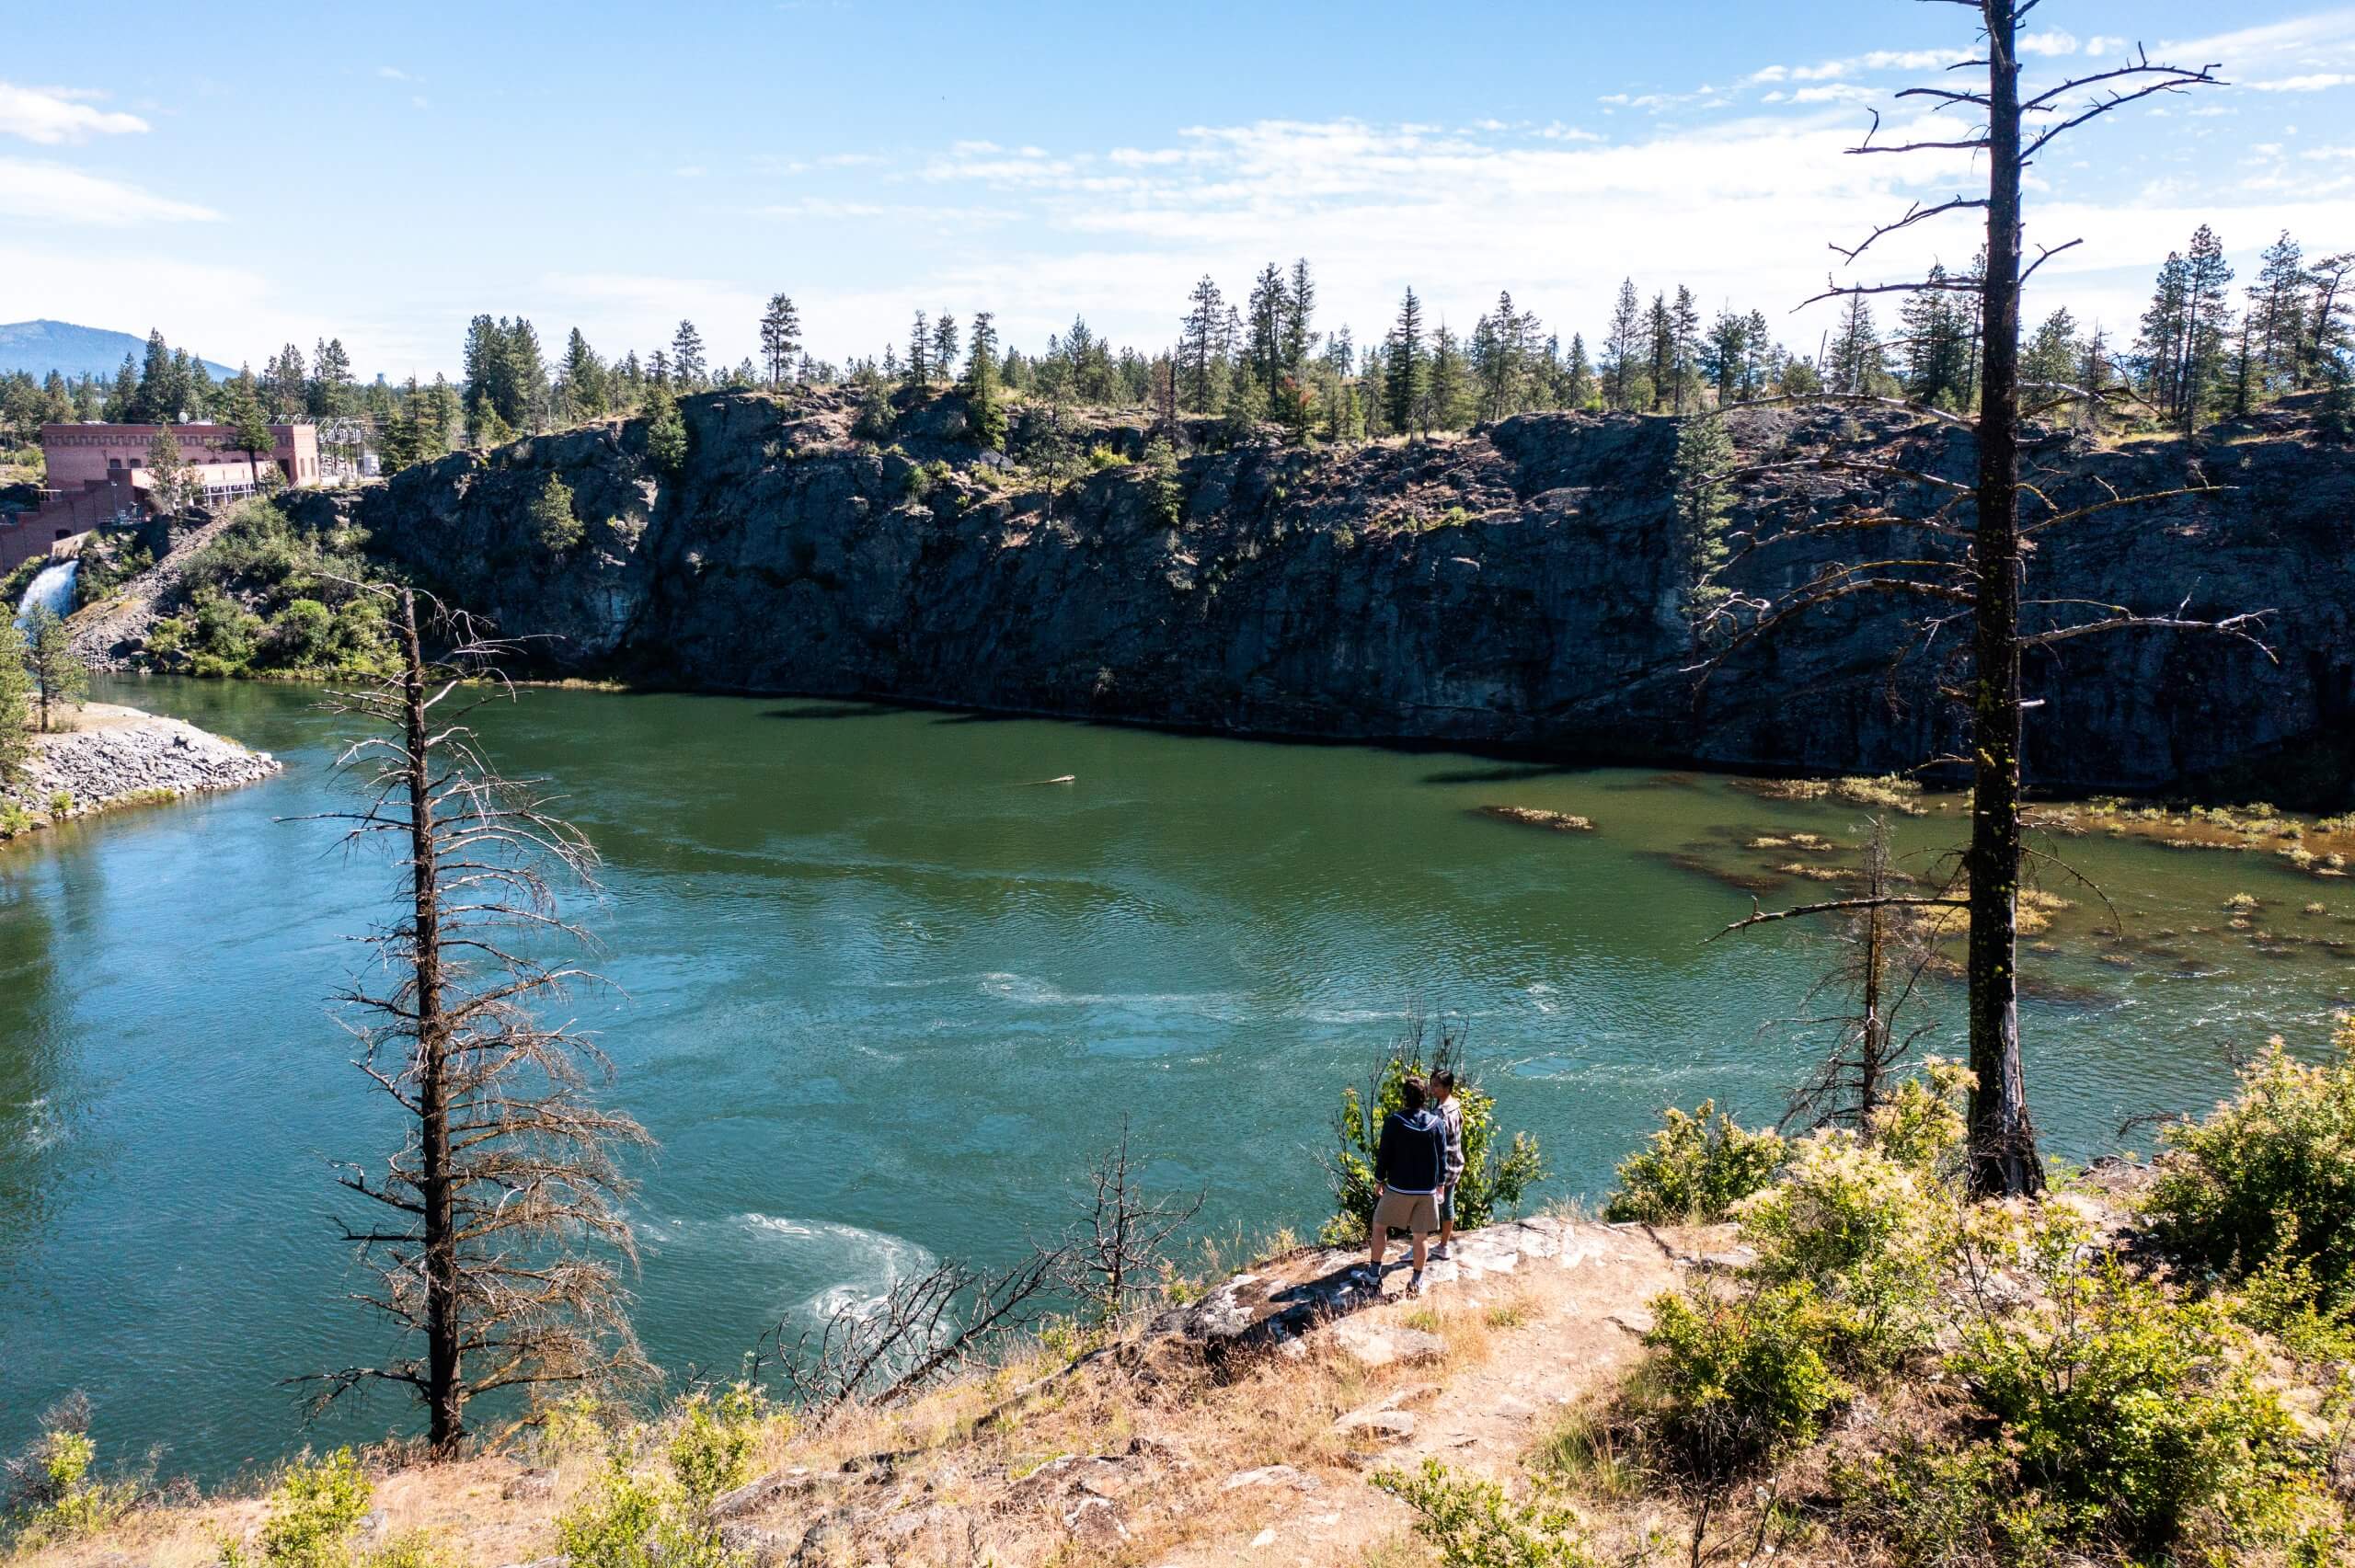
[(119, 756)]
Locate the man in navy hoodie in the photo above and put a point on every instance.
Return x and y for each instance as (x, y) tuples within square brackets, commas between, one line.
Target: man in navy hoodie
[(1409, 1167)]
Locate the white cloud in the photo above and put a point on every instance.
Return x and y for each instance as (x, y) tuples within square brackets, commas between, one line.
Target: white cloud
[(51, 116), (52, 193), (1873, 62), (2101, 44), (2055, 42), (394, 73), (2315, 82)]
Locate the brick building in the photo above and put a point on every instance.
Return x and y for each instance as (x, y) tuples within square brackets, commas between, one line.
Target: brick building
[(100, 472)]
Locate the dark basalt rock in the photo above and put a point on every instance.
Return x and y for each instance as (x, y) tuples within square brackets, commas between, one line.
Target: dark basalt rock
[(1520, 587)]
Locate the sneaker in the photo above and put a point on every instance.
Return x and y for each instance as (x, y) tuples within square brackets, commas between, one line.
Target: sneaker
[(1414, 1285), (1438, 1254)]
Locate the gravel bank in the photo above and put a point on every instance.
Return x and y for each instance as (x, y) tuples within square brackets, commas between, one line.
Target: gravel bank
[(118, 754)]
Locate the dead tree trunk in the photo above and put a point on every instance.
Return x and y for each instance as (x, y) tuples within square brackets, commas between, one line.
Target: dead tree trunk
[(444, 1401), (506, 1167), (2003, 1140)]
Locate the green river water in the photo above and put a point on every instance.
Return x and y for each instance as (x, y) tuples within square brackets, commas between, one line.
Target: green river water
[(883, 994)]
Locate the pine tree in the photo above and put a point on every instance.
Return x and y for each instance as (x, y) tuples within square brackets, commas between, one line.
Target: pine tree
[(920, 351), (1685, 329), (1300, 313), (2050, 363), (2326, 315), (331, 380), (2276, 303), (584, 377), (1938, 345), (1622, 350), (780, 338), (1402, 392), (169, 478), (1579, 387), (1659, 337), (2165, 335), (984, 410), (1443, 385), (1725, 355), (1857, 365), (1704, 453), (687, 356), (555, 524), (162, 389), (16, 702), (2208, 327), (60, 679), (1199, 346), (666, 433), (1263, 353), (944, 344)]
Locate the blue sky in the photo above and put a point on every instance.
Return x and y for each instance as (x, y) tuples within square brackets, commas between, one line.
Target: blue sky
[(383, 173)]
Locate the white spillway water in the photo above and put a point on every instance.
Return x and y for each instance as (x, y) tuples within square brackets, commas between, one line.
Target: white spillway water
[(54, 588)]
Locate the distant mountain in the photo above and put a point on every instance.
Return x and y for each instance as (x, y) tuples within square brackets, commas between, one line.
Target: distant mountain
[(40, 347)]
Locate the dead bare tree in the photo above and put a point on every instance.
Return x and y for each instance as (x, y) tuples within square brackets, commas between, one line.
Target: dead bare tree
[(919, 1329), (1118, 1245), (1884, 956), (498, 1220), (1975, 570)]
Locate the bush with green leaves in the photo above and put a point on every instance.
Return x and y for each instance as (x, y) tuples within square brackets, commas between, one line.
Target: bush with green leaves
[(1694, 1170), (266, 595), (315, 1515), (711, 1450), (1871, 1235), (629, 1519), (2142, 1414), (2271, 1173), (1165, 489), (1742, 1377), (1475, 1523), (54, 1494), (555, 526), (1498, 1171)]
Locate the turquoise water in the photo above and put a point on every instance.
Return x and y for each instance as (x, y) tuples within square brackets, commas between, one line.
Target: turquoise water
[(880, 993)]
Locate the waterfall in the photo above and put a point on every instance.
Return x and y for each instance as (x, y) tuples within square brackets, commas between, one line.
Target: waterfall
[(54, 588)]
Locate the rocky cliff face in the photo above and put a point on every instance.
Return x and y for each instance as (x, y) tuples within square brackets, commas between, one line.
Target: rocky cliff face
[(1522, 585)]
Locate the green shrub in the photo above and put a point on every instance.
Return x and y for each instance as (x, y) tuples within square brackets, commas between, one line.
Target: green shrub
[(2269, 1174), (1475, 1525), (613, 1522), (14, 819), (1870, 1234), (1741, 1378), (1922, 1124), (1933, 1508), (626, 1521), (555, 526), (711, 1452), (302, 634), (314, 1512), (57, 1498), (1100, 457), (1494, 1178), (1166, 491), (61, 802), (1694, 1170), (2138, 1412)]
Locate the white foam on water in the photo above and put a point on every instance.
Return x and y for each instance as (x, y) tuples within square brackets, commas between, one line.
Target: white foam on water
[(1034, 992), (865, 1264)]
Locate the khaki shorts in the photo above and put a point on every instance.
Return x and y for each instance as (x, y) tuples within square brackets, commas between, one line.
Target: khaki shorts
[(1412, 1212)]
